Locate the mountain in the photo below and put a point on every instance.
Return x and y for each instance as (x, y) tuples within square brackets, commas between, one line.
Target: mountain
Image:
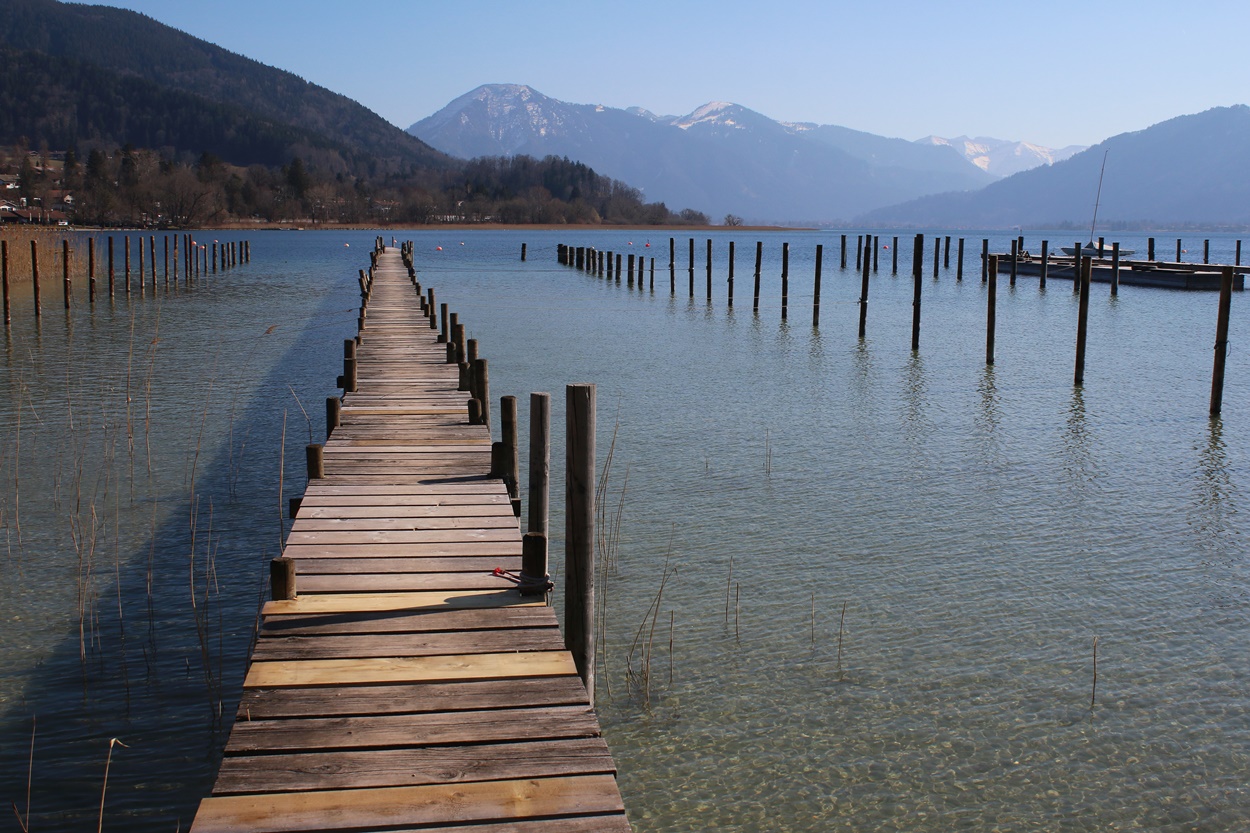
[(97, 47), (1002, 157), (1184, 170), (722, 158)]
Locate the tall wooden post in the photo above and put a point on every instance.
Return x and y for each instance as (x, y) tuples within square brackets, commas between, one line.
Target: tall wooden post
[(917, 273), (876, 252), (34, 274), (785, 279), (709, 269), (937, 255), (843, 251), (152, 259), (1178, 250), (816, 287), (65, 270), (691, 267), (4, 278), (481, 380), (894, 256), (126, 262), (349, 365), (1115, 269), (959, 262), (111, 271), (863, 296), (731, 272), (859, 252), (1041, 283), (165, 239), (509, 464), (1150, 248), (91, 270), (1206, 251), (946, 253), (1015, 260), (1076, 269), (985, 259), (1221, 339), (579, 533), (759, 258), (334, 412), (1082, 320), (991, 304), (535, 577)]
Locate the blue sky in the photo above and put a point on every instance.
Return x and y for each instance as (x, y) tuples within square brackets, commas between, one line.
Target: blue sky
[(1054, 73)]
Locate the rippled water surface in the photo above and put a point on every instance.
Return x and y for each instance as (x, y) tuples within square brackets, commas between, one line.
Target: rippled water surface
[(887, 569)]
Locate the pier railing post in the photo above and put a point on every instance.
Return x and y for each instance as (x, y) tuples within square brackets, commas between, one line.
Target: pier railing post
[(579, 536), (816, 287), (314, 454), (863, 292), (535, 578), (349, 365), (917, 269), (334, 411), (503, 463), (990, 304)]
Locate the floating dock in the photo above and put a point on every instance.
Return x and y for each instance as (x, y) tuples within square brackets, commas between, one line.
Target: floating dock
[(1155, 273), (408, 685)]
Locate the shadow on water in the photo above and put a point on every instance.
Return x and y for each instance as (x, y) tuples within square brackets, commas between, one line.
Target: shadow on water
[(171, 629)]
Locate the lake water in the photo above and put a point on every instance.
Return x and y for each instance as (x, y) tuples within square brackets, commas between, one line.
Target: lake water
[(886, 569)]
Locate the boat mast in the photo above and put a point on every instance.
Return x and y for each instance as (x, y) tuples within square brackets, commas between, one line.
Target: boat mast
[(1098, 196)]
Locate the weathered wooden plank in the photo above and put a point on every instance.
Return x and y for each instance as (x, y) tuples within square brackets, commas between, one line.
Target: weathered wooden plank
[(278, 648), (494, 509), (411, 698), (497, 518), (408, 669), (536, 616), (312, 734), (433, 548), (401, 582), (376, 602), (290, 772), (391, 807), (435, 564)]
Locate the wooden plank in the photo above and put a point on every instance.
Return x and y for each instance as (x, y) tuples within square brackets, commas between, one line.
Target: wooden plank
[(500, 517), (412, 730), (400, 564), (399, 536), (408, 669), (401, 582), (411, 698), (537, 616), (420, 805), (436, 548), (290, 772), (374, 602), (354, 646)]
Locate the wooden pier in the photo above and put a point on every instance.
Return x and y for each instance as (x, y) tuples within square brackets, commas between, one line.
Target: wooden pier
[(409, 685)]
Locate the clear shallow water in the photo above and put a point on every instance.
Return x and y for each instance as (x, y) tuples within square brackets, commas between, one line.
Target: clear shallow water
[(982, 527)]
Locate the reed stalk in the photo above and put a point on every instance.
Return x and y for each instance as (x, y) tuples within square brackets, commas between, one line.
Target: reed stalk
[(108, 761)]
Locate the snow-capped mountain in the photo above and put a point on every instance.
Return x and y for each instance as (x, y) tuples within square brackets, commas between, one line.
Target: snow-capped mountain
[(721, 158), (1003, 157)]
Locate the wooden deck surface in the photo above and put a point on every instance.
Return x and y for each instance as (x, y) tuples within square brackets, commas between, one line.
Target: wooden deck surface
[(408, 687)]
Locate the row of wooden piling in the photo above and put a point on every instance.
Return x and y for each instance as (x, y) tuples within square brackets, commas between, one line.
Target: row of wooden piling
[(195, 262), (534, 578), (867, 248)]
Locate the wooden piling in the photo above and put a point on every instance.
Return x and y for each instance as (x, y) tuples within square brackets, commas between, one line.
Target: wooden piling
[(111, 271), (539, 466), (991, 305), (816, 287), (1221, 339), (1206, 251), (1115, 269), (510, 471), (917, 274), (731, 272), (126, 262), (579, 478), (1150, 248), (1015, 261), (959, 262), (34, 273), (1076, 269), (863, 298), (165, 239), (859, 252), (843, 251), (522, 252), (785, 279), (759, 258), (481, 381), (1082, 320), (4, 278), (630, 266), (349, 365), (709, 269), (142, 275), (334, 414), (1178, 250), (314, 456), (175, 260), (65, 271), (876, 253), (894, 256), (937, 255), (444, 318), (282, 579), (985, 259), (1237, 261), (1041, 282), (152, 259)]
